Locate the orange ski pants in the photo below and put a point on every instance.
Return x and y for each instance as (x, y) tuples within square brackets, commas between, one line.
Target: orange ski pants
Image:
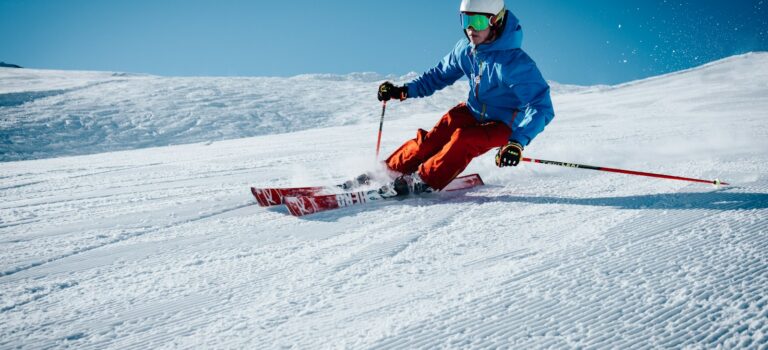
[(444, 152)]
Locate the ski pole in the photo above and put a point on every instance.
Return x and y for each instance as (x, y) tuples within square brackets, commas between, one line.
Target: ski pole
[(381, 126), (715, 182)]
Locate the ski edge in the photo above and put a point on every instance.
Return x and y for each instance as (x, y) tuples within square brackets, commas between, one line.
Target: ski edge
[(306, 205)]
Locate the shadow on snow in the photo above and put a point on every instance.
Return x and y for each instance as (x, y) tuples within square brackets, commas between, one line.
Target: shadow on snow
[(672, 201), (717, 200)]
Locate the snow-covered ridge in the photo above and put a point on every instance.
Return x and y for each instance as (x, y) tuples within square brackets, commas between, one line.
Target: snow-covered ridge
[(743, 65), (46, 113)]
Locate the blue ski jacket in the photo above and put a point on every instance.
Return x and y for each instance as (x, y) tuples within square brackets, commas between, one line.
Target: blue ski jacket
[(505, 84)]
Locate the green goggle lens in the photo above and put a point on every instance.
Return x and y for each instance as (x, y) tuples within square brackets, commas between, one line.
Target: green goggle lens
[(478, 22)]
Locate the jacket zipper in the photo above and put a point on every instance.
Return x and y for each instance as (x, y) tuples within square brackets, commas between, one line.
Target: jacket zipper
[(478, 78)]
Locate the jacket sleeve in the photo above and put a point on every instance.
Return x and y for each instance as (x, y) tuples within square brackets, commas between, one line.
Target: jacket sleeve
[(445, 73), (537, 111)]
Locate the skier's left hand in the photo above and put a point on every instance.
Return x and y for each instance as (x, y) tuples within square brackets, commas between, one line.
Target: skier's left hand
[(389, 91), (509, 155)]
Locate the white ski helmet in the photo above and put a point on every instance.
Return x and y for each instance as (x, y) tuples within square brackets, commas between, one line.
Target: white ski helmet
[(492, 7)]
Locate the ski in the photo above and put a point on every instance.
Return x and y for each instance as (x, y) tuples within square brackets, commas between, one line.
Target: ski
[(267, 197), (301, 205)]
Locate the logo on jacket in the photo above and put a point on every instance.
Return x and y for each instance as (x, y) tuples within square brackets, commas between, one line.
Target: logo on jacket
[(529, 113)]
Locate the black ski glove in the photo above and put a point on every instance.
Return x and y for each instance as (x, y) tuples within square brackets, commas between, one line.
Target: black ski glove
[(389, 91), (509, 155)]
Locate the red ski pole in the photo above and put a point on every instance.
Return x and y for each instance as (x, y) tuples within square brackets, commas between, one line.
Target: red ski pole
[(381, 126), (715, 182)]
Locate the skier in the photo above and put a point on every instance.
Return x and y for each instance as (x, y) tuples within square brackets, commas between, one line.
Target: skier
[(508, 104)]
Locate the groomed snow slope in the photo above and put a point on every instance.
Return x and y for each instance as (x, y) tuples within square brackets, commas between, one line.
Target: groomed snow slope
[(165, 248)]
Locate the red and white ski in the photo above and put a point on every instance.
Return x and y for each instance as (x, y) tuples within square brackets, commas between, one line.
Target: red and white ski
[(268, 197), (275, 196), (301, 205)]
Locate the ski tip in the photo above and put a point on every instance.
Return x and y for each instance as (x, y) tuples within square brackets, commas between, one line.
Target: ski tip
[(266, 197), (464, 182), (291, 205), (300, 205), (479, 179), (255, 194)]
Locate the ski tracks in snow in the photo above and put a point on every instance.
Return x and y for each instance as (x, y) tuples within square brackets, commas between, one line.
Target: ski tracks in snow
[(640, 287), (61, 251), (556, 271)]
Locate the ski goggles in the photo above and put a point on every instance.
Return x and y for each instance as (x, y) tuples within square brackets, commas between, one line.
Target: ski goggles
[(478, 22)]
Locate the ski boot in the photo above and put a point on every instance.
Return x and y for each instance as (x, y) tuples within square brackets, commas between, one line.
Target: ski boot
[(410, 184)]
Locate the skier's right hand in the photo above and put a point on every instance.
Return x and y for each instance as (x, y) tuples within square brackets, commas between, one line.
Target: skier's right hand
[(509, 155), (389, 91)]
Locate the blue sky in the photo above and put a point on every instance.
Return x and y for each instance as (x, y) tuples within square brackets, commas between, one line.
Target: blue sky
[(577, 42)]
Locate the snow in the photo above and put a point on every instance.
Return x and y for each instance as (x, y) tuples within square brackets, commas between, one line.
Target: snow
[(113, 239)]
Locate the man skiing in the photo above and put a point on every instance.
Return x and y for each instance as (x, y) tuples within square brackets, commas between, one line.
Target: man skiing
[(508, 104)]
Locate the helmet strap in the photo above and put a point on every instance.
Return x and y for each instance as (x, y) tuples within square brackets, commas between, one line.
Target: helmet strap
[(498, 18), (497, 25)]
